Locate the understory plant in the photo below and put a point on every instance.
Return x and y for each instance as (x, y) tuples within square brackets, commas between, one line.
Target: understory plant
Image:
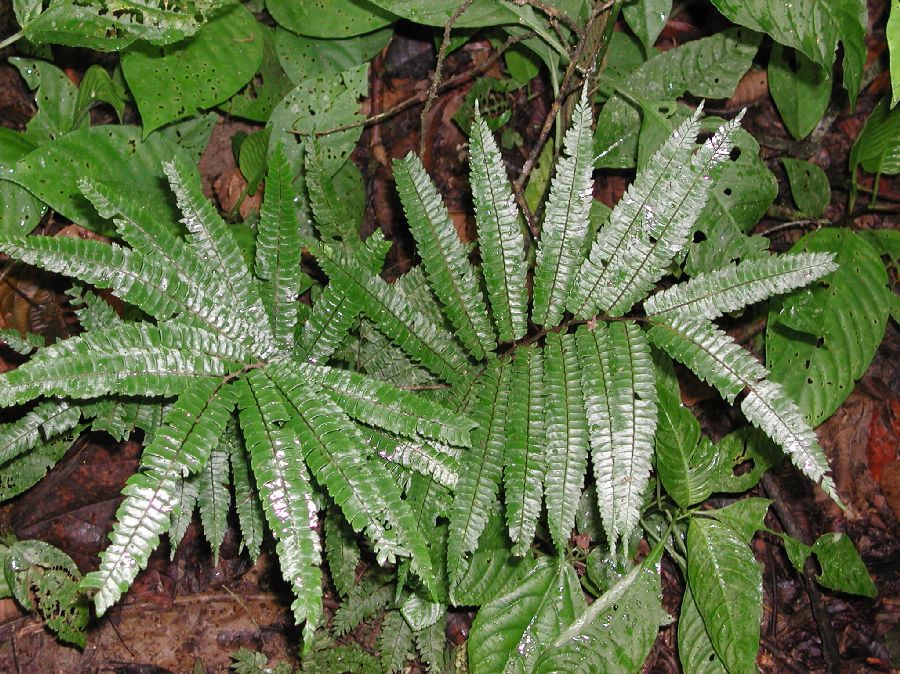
[(462, 419)]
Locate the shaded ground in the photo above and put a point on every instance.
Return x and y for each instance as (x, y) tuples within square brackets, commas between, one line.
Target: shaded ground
[(185, 611)]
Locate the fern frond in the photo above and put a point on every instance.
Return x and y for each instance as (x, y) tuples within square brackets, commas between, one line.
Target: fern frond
[(251, 517), (22, 344), (652, 222), (450, 275), (214, 498), (365, 600), (331, 219), (192, 428), (132, 359), (115, 415), (327, 325), (566, 435), (716, 358), (146, 283), (183, 504), (395, 642), (26, 470), (499, 234), (380, 359), (620, 398), (479, 468), (413, 285), (45, 421), (526, 460), (286, 494), (709, 295), (216, 247), (278, 250), (399, 321), (93, 312), (422, 456), (430, 643), (379, 404), (565, 226), (342, 552), (360, 486)]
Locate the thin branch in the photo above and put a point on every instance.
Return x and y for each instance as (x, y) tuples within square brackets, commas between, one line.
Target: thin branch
[(436, 81), (555, 15), (419, 98), (15, 37)]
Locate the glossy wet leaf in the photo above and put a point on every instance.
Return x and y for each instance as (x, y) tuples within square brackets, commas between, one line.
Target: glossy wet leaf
[(850, 308), (647, 19), (20, 211), (258, 98), (801, 89), (98, 87), (55, 95), (175, 81), (726, 582), (695, 650), (809, 186), (815, 27), (877, 148), (303, 57), (746, 516), (329, 18), (842, 569), (893, 40)]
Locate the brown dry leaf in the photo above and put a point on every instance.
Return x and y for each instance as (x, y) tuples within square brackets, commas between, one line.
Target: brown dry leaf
[(229, 187)]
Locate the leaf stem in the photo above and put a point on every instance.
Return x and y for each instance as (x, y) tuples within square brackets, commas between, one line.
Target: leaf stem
[(15, 37)]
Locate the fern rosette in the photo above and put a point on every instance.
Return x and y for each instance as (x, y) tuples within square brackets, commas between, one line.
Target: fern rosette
[(235, 381)]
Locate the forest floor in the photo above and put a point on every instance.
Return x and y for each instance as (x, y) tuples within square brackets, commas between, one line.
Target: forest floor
[(185, 611)]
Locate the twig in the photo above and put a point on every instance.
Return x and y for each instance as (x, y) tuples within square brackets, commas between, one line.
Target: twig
[(830, 652), (555, 15), (15, 37), (782, 657), (436, 80), (421, 96), (780, 227)]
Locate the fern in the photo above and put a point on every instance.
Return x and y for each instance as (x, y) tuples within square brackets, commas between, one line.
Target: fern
[(183, 506), (246, 495), (214, 498), (565, 224), (450, 275), (342, 553), (395, 642), (45, 421)]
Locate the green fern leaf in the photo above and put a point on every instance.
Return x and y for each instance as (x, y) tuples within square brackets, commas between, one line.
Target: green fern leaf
[(499, 234), (431, 643), (526, 461), (651, 223), (379, 358), (565, 226), (276, 457), (93, 312), (216, 247), (395, 643), (329, 321), (414, 287), (709, 295), (45, 421), (115, 415), (22, 344), (251, 517), (26, 470), (183, 504), (365, 600), (567, 436), (384, 406), (214, 498), (148, 284), (449, 273), (620, 398), (427, 458), (342, 553), (395, 317), (331, 218), (192, 428), (278, 250), (138, 359), (479, 468), (716, 358), (357, 482)]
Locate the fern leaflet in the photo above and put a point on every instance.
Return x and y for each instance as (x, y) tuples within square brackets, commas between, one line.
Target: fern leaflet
[(251, 517), (214, 498), (40, 424)]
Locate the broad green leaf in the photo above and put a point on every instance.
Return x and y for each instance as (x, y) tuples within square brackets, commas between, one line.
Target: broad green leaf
[(887, 243), (45, 579), (112, 25), (175, 81), (744, 190), (303, 57), (420, 614), (26, 10), (726, 582), (615, 633), (452, 279), (510, 631), (492, 568), (710, 67), (113, 155), (316, 104), (695, 650), (801, 89), (253, 159), (191, 135), (877, 148), (813, 27), (745, 517), (98, 87), (851, 307), (20, 211), (327, 18), (893, 40), (647, 19), (809, 186), (258, 98), (56, 97), (842, 568)]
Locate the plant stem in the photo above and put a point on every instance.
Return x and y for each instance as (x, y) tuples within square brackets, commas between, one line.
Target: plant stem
[(15, 37)]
